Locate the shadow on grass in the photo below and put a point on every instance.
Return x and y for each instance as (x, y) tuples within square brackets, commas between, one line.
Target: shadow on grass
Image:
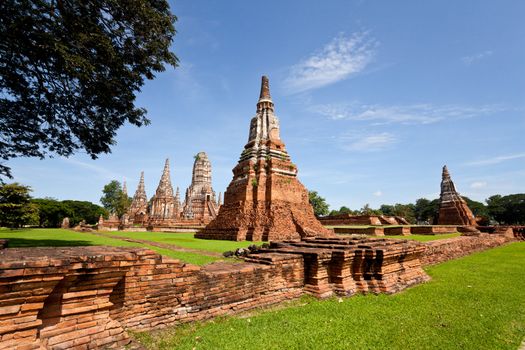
[(24, 242)]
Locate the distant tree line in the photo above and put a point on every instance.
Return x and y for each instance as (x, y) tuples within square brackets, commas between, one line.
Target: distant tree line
[(497, 209), (18, 209)]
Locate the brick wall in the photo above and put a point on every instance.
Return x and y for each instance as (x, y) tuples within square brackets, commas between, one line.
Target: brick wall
[(63, 298), (452, 248)]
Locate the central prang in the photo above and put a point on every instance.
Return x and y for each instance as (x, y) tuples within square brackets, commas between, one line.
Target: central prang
[(265, 200)]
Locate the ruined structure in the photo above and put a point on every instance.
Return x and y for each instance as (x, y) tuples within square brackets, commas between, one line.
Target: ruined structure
[(453, 209), (87, 297), (373, 220), (138, 210), (264, 200), (164, 211), (65, 223), (200, 204)]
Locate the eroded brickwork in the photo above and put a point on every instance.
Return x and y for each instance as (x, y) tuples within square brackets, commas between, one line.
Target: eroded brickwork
[(86, 297), (375, 220), (453, 209), (264, 200), (452, 248)]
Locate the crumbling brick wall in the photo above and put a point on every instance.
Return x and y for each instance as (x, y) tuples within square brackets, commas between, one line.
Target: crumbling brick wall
[(452, 248), (66, 298)]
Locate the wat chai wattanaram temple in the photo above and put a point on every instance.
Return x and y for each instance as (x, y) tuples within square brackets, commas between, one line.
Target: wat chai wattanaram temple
[(90, 297)]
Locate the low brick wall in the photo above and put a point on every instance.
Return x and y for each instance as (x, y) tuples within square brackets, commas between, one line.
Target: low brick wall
[(370, 231), (397, 231), (452, 248), (64, 298), (432, 230)]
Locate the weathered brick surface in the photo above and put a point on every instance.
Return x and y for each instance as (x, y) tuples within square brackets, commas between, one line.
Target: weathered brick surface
[(348, 219), (265, 200), (397, 231), (453, 210), (85, 297), (452, 248), (347, 266), (432, 230), (370, 231)]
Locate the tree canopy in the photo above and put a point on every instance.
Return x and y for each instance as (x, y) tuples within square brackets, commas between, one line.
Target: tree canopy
[(70, 70), (319, 204), (16, 209), (114, 199)]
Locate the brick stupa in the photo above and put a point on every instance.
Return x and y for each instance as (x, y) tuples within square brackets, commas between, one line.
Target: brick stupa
[(453, 209), (138, 210), (164, 210), (200, 203), (264, 201)]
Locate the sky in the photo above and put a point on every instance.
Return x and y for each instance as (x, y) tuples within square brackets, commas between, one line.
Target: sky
[(373, 97)]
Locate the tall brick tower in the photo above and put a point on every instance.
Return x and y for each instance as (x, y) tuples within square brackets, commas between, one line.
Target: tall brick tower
[(163, 209), (265, 200), (453, 209), (138, 210), (200, 203)]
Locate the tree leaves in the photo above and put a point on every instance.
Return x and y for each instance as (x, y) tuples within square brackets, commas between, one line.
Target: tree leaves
[(70, 70)]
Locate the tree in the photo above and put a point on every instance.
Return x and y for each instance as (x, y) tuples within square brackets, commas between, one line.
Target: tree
[(51, 212), (70, 70), (507, 209), (405, 211), (426, 210), (114, 199), (387, 209), (318, 203), (83, 210), (16, 210)]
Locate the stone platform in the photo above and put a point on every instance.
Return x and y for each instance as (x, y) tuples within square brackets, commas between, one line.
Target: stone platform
[(346, 266)]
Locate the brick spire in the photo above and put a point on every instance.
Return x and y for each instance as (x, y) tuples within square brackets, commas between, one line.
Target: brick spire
[(165, 189), (265, 100), (141, 189)]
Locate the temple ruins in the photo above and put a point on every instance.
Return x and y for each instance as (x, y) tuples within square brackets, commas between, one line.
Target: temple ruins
[(453, 209), (164, 211), (138, 210), (265, 200)]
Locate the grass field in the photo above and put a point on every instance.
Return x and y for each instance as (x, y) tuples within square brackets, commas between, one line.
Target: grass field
[(426, 238), (185, 240), (62, 238), (476, 302)]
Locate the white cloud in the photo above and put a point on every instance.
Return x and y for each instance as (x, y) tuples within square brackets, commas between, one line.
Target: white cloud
[(478, 184), (497, 160), (378, 193), (407, 114), (468, 60), (366, 142), (340, 58), (101, 171)]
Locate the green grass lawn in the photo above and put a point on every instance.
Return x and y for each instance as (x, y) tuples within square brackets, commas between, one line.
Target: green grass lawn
[(476, 302), (55, 237), (186, 240), (426, 238)]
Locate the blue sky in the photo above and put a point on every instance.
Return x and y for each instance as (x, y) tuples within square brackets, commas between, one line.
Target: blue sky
[(374, 97)]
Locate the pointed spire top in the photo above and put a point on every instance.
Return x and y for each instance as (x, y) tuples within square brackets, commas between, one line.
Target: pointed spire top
[(445, 174), (265, 89), (141, 181), (124, 188)]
